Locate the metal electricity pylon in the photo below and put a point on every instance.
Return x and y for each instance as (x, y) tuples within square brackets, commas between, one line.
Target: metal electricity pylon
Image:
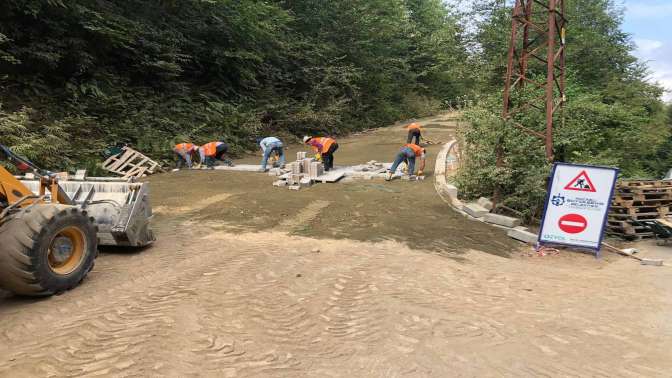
[(536, 51)]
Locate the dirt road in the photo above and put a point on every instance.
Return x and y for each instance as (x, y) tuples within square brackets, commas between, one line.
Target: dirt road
[(362, 279)]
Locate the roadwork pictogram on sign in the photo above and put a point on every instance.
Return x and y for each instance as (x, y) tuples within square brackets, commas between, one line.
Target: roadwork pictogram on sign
[(581, 183)]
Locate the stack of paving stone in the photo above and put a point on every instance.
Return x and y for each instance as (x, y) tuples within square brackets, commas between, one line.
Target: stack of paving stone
[(298, 174)]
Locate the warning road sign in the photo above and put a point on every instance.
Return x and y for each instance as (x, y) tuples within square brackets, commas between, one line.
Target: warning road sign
[(577, 204), (573, 223), (581, 183)]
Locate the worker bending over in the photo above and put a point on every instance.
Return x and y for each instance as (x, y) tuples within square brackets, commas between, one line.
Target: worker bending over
[(269, 146), (414, 131), (184, 154), (325, 147), (210, 152), (408, 153)]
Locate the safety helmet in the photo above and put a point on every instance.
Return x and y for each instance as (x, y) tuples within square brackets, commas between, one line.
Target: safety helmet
[(306, 138)]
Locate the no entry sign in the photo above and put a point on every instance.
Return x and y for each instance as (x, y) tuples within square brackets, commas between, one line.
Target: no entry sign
[(573, 223), (577, 204)]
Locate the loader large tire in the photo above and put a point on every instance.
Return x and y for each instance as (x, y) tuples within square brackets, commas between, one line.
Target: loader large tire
[(46, 249)]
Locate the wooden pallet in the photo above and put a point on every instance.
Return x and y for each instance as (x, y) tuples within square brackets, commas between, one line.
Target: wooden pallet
[(626, 228), (645, 184), (131, 163), (662, 211), (656, 202), (637, 237), (649, 196), (640, 216), (638, 200)]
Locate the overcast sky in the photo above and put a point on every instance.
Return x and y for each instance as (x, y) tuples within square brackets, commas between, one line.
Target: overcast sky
[(650, 24)]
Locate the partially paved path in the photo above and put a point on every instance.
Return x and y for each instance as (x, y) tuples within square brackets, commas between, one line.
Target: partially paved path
[(281, 297)]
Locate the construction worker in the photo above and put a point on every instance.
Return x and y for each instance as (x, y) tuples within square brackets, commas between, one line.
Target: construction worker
[(212, 151), (325, 148), (408, 153), (414, 131), (184, 154), (269, 146)]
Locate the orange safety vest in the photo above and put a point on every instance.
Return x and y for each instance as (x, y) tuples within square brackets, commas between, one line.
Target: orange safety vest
[(210, 149), (325, 142), (186, 147), (416, 149), (414, 126)]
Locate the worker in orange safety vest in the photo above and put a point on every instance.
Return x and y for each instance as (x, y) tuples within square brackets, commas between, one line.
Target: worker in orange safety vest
[(184, 154), (325, 147), (408, 153), (210, 152), (414, 131)]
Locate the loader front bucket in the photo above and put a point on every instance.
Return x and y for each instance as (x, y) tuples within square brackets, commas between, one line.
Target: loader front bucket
[(121, 210)]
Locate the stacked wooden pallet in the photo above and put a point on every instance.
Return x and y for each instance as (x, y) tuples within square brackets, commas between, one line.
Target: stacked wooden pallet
[(638, 200), (131, 163)]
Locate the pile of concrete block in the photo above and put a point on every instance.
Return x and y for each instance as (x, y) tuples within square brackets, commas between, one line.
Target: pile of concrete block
[(369, 171), (298, 174), (481, 211)]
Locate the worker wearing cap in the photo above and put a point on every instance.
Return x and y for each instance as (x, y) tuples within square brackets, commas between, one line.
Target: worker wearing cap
[(408, 153), (269, 146), (325, 147), (212, 151), (414, 131), (184, 154)]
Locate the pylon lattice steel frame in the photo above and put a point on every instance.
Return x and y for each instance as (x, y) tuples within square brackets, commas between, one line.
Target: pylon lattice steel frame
[(537, 36)]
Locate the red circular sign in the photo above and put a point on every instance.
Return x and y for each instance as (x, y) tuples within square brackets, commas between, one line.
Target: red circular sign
[(573, 223)]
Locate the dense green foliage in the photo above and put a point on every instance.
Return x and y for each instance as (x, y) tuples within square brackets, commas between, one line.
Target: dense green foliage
[(613, 116), (152, 72)]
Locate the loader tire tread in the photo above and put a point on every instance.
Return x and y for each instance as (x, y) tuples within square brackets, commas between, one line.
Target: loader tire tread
[(24, 238)]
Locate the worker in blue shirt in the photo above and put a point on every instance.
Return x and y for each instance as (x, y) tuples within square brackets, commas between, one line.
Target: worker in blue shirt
[(269, 146)]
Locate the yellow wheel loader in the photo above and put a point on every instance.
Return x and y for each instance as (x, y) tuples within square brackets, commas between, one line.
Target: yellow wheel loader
[(50, 229)]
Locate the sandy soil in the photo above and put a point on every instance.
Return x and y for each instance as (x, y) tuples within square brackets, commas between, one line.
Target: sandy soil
[(367, 279)]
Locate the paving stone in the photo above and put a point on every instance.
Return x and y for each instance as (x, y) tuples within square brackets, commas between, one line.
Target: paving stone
[(306, 182), (280, 183), (474, 210), (485, 203), (653, 262), (294, 179), (316, 169), (523, 235), (305, 165), (502, 220), (451, 190), (294, 187)]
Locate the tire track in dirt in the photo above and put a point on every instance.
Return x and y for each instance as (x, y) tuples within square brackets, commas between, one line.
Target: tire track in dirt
[(198, 206), (303, 217), (115, 276), (352, 312), (280, 321), (126, 325)]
